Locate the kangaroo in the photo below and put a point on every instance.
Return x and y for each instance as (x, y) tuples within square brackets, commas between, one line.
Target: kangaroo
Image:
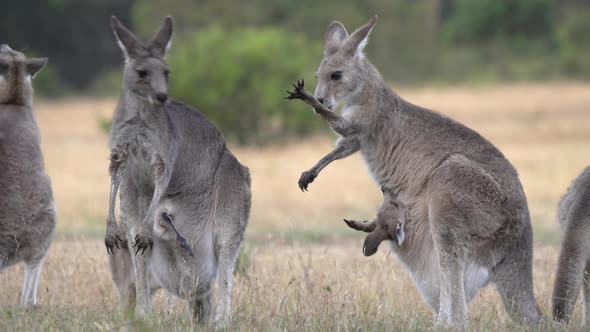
[(470, 222), (176, 176), (387, 225), (27, 207), (573, 268)]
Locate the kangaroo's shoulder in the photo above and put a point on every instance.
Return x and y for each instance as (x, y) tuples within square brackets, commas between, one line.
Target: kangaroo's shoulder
[(183, 112), (188, 122)]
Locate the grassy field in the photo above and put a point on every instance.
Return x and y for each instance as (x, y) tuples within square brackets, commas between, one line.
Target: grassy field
[(303, 269)]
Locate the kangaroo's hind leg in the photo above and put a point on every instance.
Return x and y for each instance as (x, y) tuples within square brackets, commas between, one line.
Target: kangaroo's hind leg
[(233, 205), (44, 224), (227, 252), (123, 275), (32, 270), (513, 278), (586, 289), (452, 301), (445, 221)]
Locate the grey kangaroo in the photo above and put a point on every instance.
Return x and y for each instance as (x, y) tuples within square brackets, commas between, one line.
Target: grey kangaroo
[(469, 218), (27, 208), (176, 176), (573, 268), (387, 225)]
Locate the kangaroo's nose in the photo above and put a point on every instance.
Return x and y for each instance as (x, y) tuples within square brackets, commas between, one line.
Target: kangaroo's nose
[(161, 97), (321, 100)]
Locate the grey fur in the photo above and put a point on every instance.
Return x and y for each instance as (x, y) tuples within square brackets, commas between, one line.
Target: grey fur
[(171, 162), (469, 220), (27, 207), (387, 225), (573, 268)]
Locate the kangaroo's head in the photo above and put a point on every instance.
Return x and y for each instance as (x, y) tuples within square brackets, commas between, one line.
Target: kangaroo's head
[(16, 73), (344, 68), (146, 71), (390, 223)]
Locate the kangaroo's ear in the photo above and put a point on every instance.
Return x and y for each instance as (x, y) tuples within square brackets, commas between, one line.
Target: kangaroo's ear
[(357, 41), (334, 37), (162, 41), (398, 235), (373, 241), (34, 66), (129, 44)]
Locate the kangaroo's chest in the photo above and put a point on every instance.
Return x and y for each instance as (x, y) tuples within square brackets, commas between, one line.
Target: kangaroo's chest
[(142, 147)]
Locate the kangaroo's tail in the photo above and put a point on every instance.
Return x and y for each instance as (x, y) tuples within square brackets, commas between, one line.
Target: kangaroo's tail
[(575, 249)]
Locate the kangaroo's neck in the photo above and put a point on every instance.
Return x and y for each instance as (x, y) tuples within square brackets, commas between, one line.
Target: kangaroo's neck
[(374, 93), (135, 106)]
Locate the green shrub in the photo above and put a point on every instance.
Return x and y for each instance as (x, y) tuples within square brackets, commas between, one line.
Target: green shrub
[(238, 80), (475, 22), (107, 83), (244, 260), (48, 83), (575, 44)]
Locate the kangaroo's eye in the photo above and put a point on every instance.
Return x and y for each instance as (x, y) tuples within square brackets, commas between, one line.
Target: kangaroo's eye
[(142, 73), (336, 76)]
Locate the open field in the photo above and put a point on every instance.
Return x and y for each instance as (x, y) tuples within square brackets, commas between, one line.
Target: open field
[(306, 269)]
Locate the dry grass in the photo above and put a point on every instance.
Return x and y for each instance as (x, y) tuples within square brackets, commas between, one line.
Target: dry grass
[(301, 287), (307, 271)]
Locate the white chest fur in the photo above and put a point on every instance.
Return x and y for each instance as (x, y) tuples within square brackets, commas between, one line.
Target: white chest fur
[(348, 112)]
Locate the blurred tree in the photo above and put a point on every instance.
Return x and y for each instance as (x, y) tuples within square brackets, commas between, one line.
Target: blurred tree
[(74, 34), (238, 80), (575, 50), (483, 20)]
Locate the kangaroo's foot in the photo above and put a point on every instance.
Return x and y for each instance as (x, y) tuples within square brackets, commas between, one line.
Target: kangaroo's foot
[(366, 226)]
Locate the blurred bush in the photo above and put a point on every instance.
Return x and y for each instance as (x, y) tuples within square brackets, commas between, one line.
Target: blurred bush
[(477, 22), (107, 83), (575, 41), (48, 84), (238, 80)]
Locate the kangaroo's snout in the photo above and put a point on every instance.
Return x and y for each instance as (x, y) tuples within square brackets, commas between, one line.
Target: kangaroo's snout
[(161, 98)]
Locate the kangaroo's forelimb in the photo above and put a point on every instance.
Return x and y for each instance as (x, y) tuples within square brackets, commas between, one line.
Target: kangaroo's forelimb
[(339, 124)]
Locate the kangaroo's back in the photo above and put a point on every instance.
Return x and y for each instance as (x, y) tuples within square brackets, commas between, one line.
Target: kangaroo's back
[(27, 208)]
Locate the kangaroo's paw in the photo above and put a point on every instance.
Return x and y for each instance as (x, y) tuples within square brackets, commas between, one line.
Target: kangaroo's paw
[(142, 242), (298, 91), (111, 239), (306, 178)]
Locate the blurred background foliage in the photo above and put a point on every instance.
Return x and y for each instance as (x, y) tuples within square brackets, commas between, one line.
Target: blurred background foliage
[(233, 59)]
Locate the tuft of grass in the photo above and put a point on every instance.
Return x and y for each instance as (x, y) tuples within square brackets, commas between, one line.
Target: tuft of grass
[(300, 287), (105, 125), (244, 260)]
